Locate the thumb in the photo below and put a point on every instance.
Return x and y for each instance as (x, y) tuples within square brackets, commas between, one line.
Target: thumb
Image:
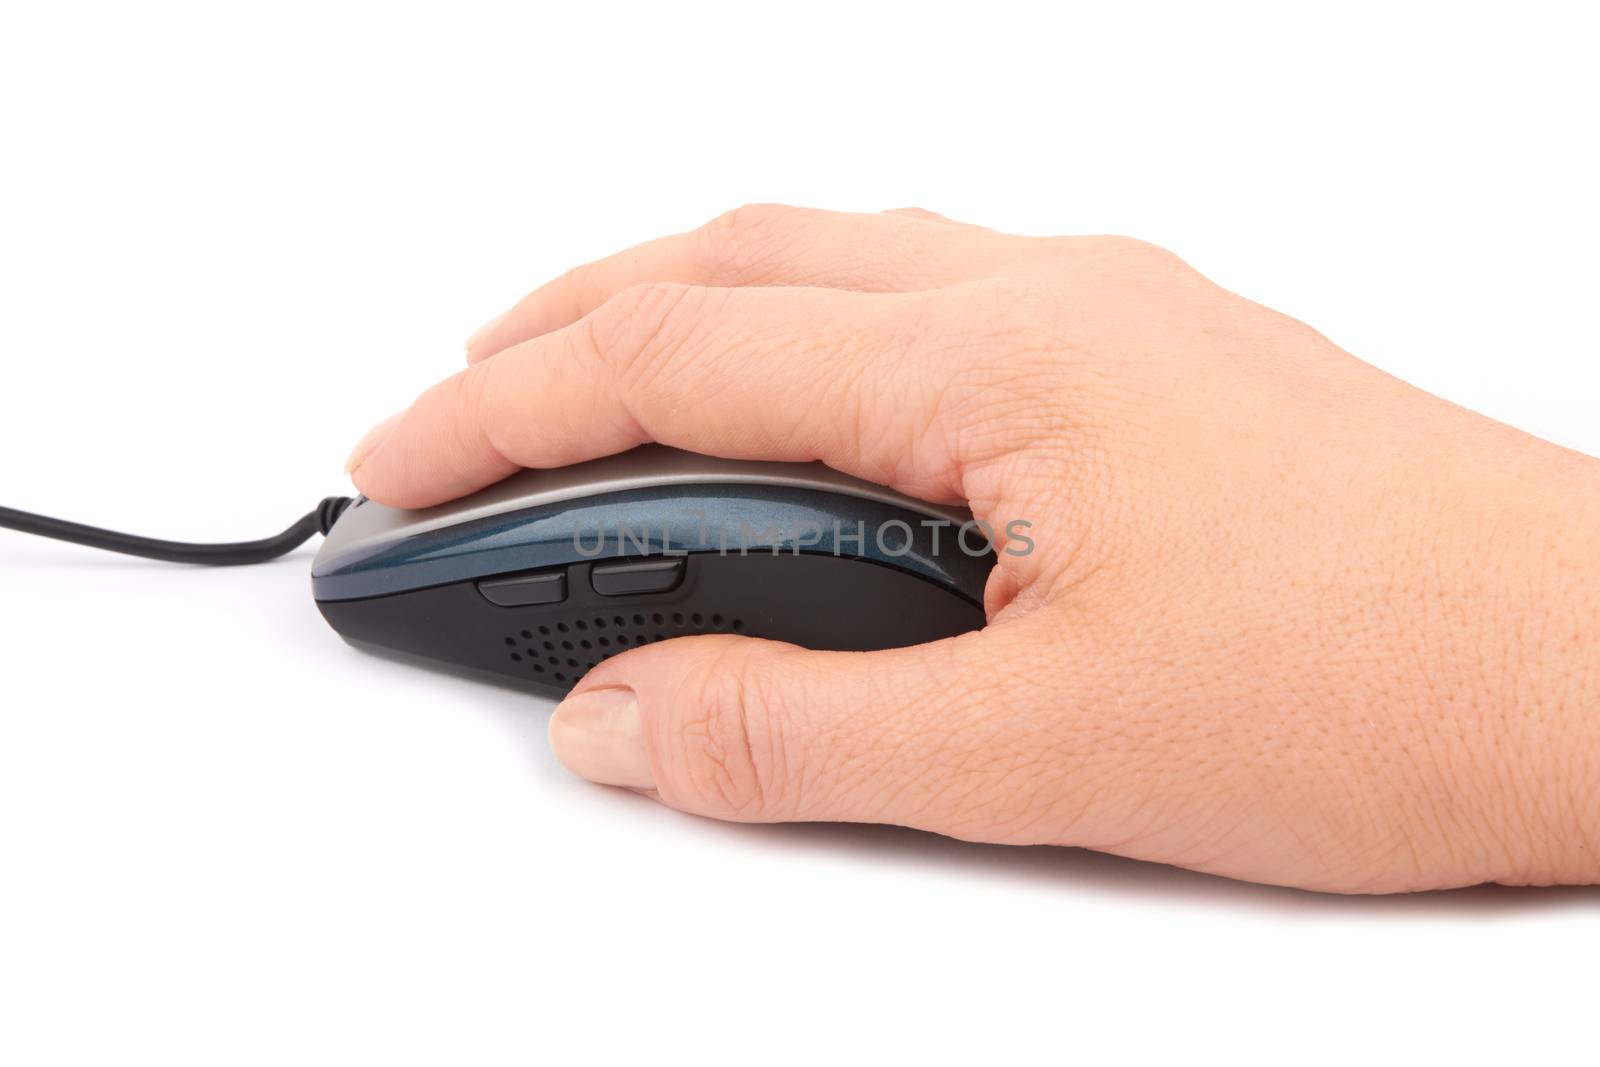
[(761, 731)]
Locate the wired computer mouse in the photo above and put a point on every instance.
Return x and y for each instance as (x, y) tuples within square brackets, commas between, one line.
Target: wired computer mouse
[(538, 578)]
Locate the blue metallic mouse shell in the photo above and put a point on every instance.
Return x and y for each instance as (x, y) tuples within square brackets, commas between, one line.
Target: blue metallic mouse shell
[(678, 519)]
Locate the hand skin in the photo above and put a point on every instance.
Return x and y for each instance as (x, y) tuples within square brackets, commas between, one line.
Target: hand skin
[(1288, 619)]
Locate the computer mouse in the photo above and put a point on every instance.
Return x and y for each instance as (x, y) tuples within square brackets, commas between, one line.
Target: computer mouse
[(535, 580)]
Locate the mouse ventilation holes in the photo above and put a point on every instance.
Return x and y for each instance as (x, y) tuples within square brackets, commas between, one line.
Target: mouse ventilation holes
[(564, 650)]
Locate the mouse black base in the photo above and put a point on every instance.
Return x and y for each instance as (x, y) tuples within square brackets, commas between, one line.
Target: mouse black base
[(823, 602)]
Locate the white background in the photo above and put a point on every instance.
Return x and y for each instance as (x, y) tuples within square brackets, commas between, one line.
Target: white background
[(233, 237)]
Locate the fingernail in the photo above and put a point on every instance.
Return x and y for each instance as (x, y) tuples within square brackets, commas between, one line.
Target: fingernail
[(598, 735), (485, 328), (368, 444)]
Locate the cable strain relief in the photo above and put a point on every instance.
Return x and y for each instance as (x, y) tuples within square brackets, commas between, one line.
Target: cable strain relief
[(329, 510)]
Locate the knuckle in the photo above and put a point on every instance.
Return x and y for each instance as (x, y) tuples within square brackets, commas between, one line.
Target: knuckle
[(470, 392), (1135, 258), (580, 285), (739, 243), (731, 745), (1113, 258), (492, 404), (1004, 326), (1008, 370), (465, 400), (644, 325), (1131, 247), (1134, 246)]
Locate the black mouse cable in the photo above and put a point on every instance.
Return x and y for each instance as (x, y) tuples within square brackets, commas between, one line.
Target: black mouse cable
[(318, 520)]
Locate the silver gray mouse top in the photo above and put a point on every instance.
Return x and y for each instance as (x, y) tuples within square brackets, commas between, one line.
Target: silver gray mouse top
[(369, 523)]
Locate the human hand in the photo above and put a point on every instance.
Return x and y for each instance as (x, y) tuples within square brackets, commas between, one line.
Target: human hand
[(1287, 619)]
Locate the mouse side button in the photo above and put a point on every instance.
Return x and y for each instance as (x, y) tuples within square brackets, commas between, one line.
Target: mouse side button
[(526, 589), (640, 576)]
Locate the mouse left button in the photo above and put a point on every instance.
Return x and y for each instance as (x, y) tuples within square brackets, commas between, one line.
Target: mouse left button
[(525, 589)]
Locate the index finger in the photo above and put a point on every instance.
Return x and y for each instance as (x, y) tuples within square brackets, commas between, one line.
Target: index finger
[(757, 373)]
